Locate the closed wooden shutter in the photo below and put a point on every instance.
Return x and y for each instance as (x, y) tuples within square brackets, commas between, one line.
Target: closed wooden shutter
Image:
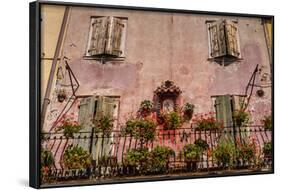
[(99, 34), (86, 112), (85, 119), (223, 105), (231, 38), (114, 36), (217, 39), (103, 144)]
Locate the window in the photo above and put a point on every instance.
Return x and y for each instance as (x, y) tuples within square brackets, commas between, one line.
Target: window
[(107, 37), (223, 40), (92, 108)]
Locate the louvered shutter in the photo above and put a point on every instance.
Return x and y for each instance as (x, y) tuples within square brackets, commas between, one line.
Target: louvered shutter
[(102, 143), (85, 118), (214, 39), (231, 38), (114, 36), (224, 109), (86, 112), (222, 40), (98, 38), (217, 39), (237, 102)]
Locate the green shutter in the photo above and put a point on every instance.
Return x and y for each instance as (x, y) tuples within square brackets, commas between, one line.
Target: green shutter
[(114, 36), (86, 112), (231, 38), (85, 119), (224, 109), (102, 145), (98, 37)]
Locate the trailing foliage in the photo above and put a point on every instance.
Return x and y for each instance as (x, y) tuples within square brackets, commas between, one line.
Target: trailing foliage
[(246, 150), (68, 126), (76, 157), (192, 152), (201, 144), (145, 108), (267, 148), (159, 158), (207, 122), (141, 128), (147, 161), (47, 158), (188, 111), (241, 118), (224, 153), (172, 120), (267, 122), (104, 124)]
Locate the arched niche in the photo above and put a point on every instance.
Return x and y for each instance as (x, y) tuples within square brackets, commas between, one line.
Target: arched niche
[(166, 97)]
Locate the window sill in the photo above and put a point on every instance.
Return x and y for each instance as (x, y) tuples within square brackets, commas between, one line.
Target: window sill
[(104, 59)]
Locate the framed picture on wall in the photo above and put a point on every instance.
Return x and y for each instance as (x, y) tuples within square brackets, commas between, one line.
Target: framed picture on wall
[(130, 94)]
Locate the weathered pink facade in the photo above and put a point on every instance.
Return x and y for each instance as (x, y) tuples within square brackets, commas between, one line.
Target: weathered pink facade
[(167, 46)]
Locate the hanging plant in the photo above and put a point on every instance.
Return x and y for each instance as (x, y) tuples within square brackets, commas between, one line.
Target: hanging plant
[(172, 120), (188, 110), (61, 95), (145, 108)]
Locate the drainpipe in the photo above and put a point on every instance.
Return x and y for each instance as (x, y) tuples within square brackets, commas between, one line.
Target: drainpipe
[(46, 100)]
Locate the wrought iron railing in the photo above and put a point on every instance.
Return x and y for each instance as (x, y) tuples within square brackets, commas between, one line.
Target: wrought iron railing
[(108, 152)]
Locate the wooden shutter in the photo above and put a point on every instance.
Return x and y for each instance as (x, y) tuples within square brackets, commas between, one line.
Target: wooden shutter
[(238, 102), (114, 36), (231, 38), (102, 145), (98, 37), (217, 39), (223, 105), (86, 112)]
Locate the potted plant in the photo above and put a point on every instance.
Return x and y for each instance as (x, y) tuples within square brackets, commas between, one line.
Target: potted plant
[(267, 150), (104, 124), (141, 128), (188, 110), (75, 157), (241, 118), (267, 122), (68, 126), (145, 108), (159, 158), (47, 161), (136, 161), (202, 144), (172, 120), (224, 154), (246, 151), (207, 122), (192, 154)]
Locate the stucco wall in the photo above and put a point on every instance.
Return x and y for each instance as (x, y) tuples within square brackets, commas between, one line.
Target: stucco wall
[(167, 46)]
